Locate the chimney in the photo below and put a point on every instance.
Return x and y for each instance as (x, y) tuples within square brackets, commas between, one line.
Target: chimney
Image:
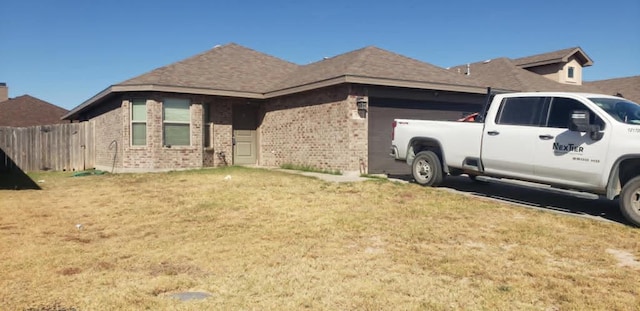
[(4, 92)]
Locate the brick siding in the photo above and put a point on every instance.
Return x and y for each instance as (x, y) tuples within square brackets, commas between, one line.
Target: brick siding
[(320, 128), (114, 124), (108, 137), (220, 114)]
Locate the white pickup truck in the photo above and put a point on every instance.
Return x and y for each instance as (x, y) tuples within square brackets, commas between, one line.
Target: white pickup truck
[(582, 144)]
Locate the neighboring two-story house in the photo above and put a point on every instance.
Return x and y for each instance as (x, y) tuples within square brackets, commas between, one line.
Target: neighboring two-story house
[(564, 66)]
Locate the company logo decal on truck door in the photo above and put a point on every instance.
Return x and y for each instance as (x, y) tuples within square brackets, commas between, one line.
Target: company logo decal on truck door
[(567, 148)]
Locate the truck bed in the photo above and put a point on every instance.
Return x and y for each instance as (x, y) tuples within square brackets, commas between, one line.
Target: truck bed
[(458, 140)]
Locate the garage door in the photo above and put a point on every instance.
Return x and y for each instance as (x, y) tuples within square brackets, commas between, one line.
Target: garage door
[(382, 111)]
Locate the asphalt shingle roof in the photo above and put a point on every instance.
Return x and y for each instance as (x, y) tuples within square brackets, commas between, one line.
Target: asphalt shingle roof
[(372, 62), (628, 87), (25, 110), (502, 73), (236, 68), (553, 57), (229, 67)]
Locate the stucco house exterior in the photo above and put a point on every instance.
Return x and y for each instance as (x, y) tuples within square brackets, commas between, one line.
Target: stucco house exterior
[(560, 70), (564, 66), (554, 71), (234, 105)]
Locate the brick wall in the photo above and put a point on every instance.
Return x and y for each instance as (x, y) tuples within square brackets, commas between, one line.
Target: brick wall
[(155, 156), (108, 137), (320, 128), (220, 113)]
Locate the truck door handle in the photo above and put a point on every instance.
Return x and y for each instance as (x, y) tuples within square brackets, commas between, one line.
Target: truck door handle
[(493, 133), (545, 137)]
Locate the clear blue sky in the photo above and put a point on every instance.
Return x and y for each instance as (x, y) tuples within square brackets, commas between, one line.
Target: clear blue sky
[(66, 51)]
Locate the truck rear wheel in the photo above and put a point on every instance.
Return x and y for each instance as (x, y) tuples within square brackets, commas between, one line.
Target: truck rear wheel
[(427, 169), (630, 201)]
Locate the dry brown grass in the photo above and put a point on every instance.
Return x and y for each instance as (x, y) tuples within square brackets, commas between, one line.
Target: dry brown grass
[(266, 240)]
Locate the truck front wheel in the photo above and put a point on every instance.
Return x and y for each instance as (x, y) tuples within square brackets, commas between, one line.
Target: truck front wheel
[(630, 201), (427, 169)]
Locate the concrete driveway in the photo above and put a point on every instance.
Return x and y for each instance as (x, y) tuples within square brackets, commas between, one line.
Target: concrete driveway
[(600, 209)]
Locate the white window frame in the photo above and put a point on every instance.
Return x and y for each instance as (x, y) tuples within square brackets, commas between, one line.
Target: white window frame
[(165, 122), (135, 121)]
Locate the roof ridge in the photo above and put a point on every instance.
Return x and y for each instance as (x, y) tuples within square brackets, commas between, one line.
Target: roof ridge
[(553, 56), (216, 48), (570, 49), (611, 79)]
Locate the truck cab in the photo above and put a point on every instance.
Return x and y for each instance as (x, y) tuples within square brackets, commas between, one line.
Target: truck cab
[(571, 141)]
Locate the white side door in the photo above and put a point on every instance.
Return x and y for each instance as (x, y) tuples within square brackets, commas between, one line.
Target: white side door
[(508, 141), (566, 157)]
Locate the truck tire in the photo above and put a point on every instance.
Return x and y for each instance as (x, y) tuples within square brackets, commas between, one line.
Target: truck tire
[(427, 169), (630, 201)]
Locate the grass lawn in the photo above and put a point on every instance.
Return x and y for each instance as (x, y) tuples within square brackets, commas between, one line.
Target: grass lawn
[(265, 240)]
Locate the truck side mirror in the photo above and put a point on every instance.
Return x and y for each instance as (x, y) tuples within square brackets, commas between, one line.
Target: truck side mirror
[(579, 121)]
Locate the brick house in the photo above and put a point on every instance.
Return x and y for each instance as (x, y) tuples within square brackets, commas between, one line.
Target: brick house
[(234, 105)]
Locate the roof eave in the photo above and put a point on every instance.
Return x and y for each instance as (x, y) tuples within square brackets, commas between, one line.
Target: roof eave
[(586, 60), (158, 88), (417, 84), (377, 81), (186, 90), (306, 87), (286, 91), (75, 111)]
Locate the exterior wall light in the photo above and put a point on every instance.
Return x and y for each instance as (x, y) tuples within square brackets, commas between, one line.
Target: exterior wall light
[(362, 102)]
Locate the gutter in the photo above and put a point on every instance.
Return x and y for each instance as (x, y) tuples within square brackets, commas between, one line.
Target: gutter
[(286, 91)]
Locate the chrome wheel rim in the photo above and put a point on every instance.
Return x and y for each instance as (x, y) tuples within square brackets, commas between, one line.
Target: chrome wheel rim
[(423, 170)]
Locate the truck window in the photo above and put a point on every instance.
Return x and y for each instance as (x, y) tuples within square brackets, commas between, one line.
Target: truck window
[(560, 112), (622, 110), (521, 111)]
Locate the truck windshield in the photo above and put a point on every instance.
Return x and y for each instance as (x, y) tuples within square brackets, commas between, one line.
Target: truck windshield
[(622, 110)]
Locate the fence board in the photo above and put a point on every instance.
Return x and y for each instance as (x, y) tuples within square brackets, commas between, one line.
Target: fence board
[(60, 147)]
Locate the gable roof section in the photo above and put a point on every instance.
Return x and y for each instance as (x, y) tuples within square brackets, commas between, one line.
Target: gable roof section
[(372, 65), (628, 87), (561, 56), (226, 68), (26, 111), (233, 70), (503, 74)]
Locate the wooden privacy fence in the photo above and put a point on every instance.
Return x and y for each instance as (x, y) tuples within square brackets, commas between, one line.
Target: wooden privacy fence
[(59, 147)]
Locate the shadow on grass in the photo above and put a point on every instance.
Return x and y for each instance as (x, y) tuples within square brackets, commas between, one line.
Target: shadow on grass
[(600, 209), (12, 177)]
